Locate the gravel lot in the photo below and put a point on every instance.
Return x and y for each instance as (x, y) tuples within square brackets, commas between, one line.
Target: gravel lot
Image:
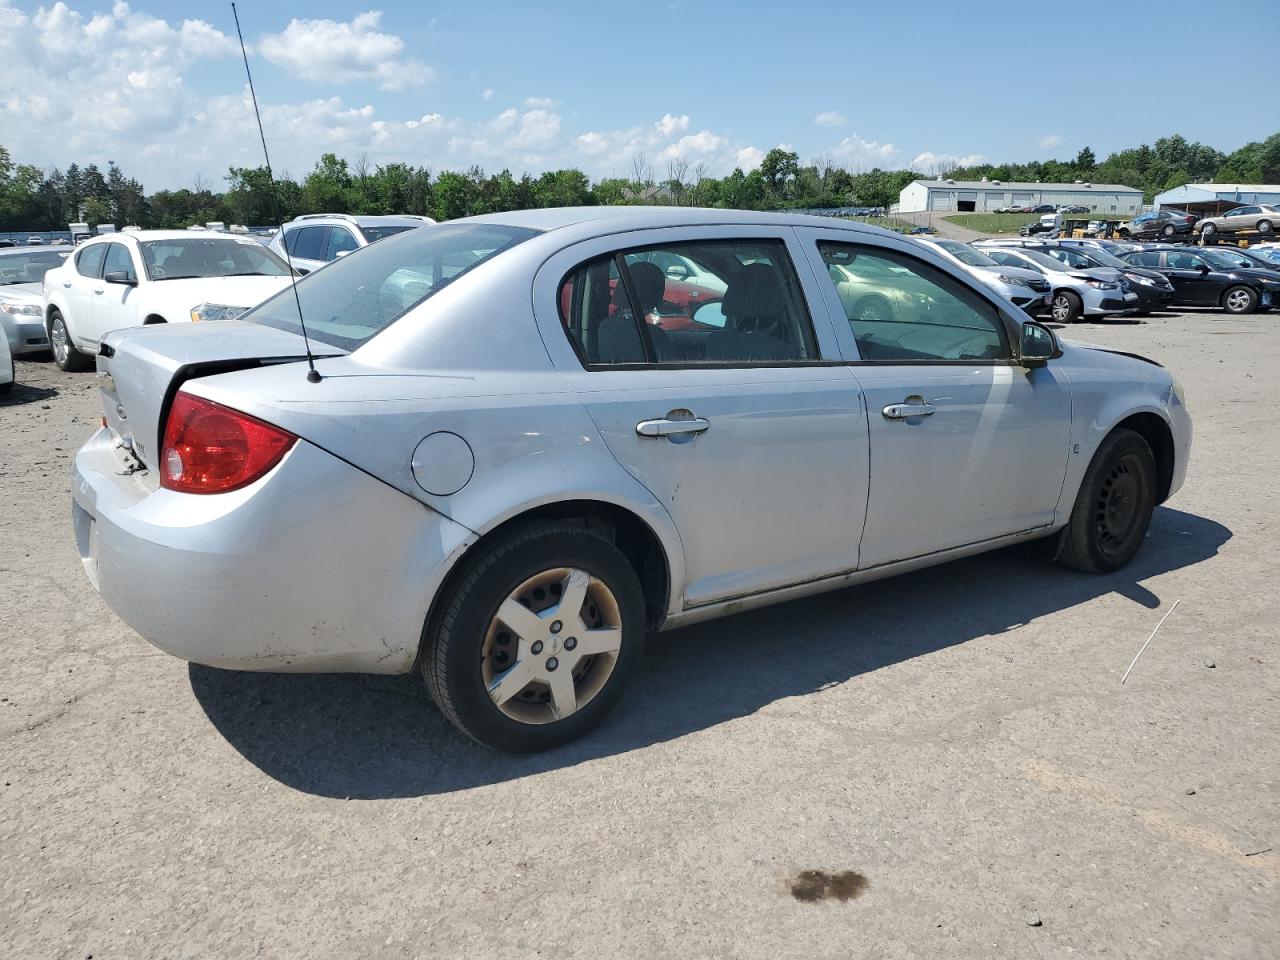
[(960, 741)]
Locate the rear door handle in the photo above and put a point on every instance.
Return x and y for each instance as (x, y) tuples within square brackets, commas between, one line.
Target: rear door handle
[(669, 428), (911, 407)]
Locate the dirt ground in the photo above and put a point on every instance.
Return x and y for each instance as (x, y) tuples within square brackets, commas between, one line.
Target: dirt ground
[(942, 765)]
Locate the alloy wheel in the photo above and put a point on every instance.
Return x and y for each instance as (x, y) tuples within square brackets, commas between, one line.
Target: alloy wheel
[(1061, 309), (1238, 300), (551, 645), (58, 340)]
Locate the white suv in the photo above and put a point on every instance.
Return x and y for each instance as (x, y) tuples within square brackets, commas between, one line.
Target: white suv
[(314, 239)]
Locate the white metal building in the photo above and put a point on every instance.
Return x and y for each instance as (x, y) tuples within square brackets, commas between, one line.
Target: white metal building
[(986, 195), (1210, 199)]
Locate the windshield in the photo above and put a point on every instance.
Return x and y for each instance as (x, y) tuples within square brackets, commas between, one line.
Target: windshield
[(28, 267), (1224, 261), (378, 233), (966, 254), (185, 259), (354, 298)]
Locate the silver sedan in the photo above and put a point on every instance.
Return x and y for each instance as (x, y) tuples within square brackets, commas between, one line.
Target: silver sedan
[(526, 444), (22, 271)]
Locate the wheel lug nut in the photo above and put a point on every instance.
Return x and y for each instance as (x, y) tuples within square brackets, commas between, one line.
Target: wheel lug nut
[(555, 626), (570, 642), (537, 647), (552, 663)]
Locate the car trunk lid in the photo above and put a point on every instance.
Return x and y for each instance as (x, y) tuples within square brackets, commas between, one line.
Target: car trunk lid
[(140, 368)]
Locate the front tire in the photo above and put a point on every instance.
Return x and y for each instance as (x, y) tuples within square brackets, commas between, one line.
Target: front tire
[(1066, 307), (1113, 508), (1239, 301), (536, 638), (1208, 230), (65, 354)]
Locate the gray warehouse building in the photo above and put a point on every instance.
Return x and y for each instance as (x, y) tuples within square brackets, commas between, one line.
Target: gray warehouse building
[(985, 195)]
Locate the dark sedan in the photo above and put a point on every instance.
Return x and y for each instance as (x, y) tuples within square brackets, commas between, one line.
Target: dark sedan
[(1212, 278), (1161, 223)]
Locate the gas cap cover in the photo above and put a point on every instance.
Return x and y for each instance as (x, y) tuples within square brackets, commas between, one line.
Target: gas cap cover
[(443, 463)]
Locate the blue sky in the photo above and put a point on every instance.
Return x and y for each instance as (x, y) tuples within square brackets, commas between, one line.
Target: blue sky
[(159, 87)]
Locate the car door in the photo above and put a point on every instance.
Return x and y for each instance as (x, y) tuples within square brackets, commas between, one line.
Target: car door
[(79, 290), (967, 446), (1241, 218), (1192, 275), (115, 304), (744, 423)]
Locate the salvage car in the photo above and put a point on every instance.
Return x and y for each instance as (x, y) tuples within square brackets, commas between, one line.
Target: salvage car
[(149, 277), (1153, 289), (22, 273), (504, 494), (1160, 223), (1261, 217), (1077, 293), (1024, 288), (1207, 277)]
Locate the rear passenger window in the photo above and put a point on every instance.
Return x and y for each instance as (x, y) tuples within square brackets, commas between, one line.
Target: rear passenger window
[(1147, 259), (903, 310), (89, 260), (307, 242), (720, 302)]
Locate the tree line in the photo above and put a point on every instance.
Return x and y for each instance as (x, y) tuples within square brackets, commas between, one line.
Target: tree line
[(32, 198)]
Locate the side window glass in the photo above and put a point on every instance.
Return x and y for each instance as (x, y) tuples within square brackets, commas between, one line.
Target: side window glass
[(703, 302), (1184, 261), (1146, 259), (307, 242), (119, 260), (903, 310), (89, 260), (340, 241)]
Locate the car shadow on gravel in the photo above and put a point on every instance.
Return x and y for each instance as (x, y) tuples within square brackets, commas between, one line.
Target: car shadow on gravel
[(380, 737), (21, 393)]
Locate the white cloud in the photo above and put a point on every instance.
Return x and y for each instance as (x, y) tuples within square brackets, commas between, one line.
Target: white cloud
[(1049, 141), (669, 125), (854, 151), (831, 118), (931, 162), (488, 94), (545, 103), (328, 51), (748, 158), (700, 145)]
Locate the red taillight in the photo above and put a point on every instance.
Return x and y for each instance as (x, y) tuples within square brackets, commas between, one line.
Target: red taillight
[(209, 448)]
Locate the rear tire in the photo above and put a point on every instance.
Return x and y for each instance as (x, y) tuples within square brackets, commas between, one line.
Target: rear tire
[(1113, 508), (1239, 301), (1208, 230), (1264, 226), (470, 648), (1168, 230), (1066, 307), (65, 354)]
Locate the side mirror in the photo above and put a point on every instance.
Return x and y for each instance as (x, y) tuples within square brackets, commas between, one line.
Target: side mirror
[(1202, 268), (121, 277), (301, 271), (1038, 345), (710, 315), (342, 253)]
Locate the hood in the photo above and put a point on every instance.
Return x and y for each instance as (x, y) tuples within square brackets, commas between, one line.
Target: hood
[(1107, 274), (1022, 273), (1098, 348), (23, 292), (232, 291)]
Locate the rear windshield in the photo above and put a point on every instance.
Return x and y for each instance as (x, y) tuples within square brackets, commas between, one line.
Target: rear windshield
[(382, 232), (351, 299)]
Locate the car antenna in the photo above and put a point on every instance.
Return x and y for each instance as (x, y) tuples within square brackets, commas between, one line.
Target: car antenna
[(313, 375)]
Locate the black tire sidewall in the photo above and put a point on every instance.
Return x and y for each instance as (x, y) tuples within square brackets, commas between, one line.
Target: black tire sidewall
[(1264, 226), (1082, 530), (75, 361), (452, 648), (1074, 303)]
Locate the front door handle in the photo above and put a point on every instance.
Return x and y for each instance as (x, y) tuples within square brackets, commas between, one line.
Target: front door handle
[(100, 290), (670, 428), (911, 407)]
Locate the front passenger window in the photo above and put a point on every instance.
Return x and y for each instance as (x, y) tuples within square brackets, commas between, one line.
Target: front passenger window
[(903, 310)]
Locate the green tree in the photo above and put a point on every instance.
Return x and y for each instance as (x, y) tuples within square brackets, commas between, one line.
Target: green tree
[(1085, 160), (779, 168), (327, 187)]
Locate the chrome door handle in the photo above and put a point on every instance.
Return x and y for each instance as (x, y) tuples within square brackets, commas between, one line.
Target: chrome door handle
[(901, 411), (668, 428)]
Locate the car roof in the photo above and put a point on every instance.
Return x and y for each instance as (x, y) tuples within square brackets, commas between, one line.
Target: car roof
[(600, 221), (165, 235), (39, 248)]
